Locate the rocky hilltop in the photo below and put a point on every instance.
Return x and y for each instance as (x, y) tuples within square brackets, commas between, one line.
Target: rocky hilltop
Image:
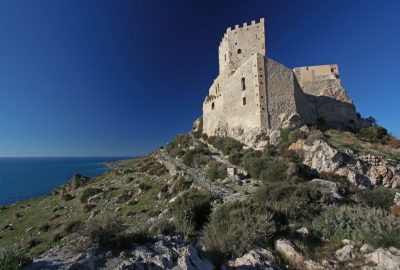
[(314, 199)]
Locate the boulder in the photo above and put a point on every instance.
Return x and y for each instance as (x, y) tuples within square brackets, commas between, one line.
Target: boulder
[(366, 248), (346, 253), (328, 188), (289, 252), (190, 260), (384, 258), (257, 258), (397, 198)]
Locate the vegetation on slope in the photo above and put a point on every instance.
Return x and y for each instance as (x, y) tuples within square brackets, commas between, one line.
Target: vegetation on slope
[(139, 198)]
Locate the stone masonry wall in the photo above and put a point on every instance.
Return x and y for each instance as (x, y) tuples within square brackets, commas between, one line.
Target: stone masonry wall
[(237, 107)]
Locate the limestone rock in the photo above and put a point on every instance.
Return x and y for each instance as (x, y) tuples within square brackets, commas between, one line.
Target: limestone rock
[(346, 253), (397, 198), (328, 188), (384, 259), (366, 248), (289, 252), (190, 260), (361, 170), (303, 232), (257, 258)]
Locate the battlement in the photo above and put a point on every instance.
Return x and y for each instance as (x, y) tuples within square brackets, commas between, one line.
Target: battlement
[(244, 26), (239, 44)]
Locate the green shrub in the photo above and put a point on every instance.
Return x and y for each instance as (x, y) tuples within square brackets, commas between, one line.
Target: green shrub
[(314, 135), (270, 150), (227, 145), (368, 225), (296, 135), (372, 134), (216, 170), (191, 210), (379, 197), (181, 141), (237, 227), (273, 170), (89, 192), (284, 135), (144, 185), (73, 226), (197, 157), (235, 158), (295, 202), (109, 233), (181, 184), (10, 260)]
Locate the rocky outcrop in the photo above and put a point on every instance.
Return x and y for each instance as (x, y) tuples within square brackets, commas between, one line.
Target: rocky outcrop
[(346, 253), (257, 258), (388, 259), (165, 252), (361, 169)]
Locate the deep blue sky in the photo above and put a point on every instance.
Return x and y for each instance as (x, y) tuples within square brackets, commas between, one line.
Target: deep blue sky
[(124, 77)]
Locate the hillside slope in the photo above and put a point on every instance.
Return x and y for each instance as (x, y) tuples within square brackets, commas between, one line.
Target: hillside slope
[(315, 200)]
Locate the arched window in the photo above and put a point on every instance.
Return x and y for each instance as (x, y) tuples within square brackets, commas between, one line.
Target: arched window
[(239, 51), (243, 84), (244, 101), (212, 106)]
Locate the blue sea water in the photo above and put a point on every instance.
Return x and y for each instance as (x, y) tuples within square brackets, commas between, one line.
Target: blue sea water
[(25, 178)]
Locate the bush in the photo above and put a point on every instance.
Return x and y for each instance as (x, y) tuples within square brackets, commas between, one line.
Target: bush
[(368, 225), (237, 227), (109, 233), (372, 134), (73, 226), (10, 260), (89, 192), (181, 141), (216, 170), (196, 157), (66, 197), (235, 158), (314, 135), (227, 145), (274, 170), (191, 211), (294, 202), (296, 135), (379, 197), (181, 184)]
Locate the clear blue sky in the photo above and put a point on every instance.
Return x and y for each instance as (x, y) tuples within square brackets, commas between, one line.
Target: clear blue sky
[(115, 78)]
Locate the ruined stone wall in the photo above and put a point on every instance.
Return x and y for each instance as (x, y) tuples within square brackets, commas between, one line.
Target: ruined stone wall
[(316, 73), (241, 100), (239, 44)]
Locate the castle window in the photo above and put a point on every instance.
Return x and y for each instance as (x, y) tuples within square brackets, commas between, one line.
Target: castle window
[(225, 57), (212, 106), (244, 101), (239, 51), (243, 84)]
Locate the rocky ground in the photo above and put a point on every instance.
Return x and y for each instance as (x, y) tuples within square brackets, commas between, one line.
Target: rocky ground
[(308, 202)]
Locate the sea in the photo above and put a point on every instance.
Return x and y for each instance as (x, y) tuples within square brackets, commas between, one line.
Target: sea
[(22, 178)]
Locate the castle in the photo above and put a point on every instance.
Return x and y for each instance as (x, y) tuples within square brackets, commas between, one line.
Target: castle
[(255, 93)]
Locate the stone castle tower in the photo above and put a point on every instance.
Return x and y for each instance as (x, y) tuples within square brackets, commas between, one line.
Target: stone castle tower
[(254, 93)]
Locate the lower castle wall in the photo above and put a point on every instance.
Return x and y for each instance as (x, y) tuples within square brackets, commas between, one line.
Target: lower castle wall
[(229, 111)]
